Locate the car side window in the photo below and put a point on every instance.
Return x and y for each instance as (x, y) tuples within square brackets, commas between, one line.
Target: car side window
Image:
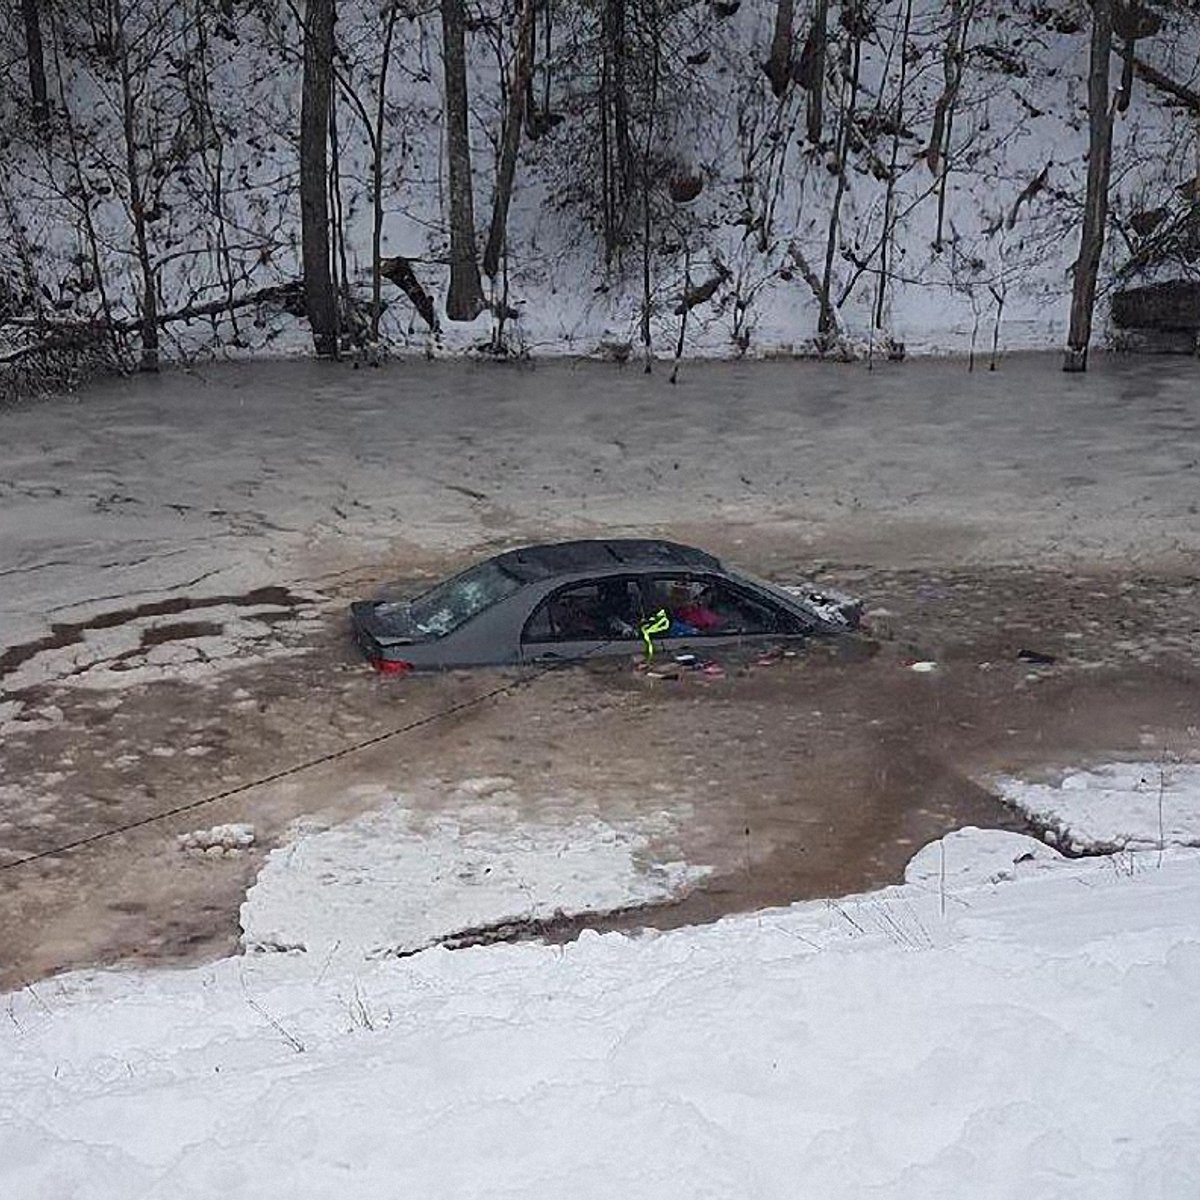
[(710, 607), (604, 609)]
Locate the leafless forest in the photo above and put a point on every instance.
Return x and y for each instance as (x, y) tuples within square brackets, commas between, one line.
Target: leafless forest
[(187, 177)]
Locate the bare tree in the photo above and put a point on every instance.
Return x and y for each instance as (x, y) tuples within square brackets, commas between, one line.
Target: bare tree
[(510, 139), (81, 198), (465, 301), (37, 62), (937, 155), (1095, 205), (137, 206), (213, 139), (812, 72), (887, 237), (647, 216), (376, 136), (854, 19), (314, 176), (616, 148), (779, 63)]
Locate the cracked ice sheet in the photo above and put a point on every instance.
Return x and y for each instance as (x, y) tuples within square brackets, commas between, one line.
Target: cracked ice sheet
[(116, 657), (75, 561), (1035, 1038), (389, 882), (1113, 806)]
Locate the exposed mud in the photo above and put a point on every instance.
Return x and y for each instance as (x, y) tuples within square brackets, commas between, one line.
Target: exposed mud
[(813, 776)]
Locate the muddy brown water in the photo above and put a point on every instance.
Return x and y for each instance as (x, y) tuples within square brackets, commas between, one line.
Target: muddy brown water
[(814, 776)]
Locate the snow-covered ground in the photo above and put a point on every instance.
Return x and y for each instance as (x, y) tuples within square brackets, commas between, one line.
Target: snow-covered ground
[(1006, 1023), (1133, 805)]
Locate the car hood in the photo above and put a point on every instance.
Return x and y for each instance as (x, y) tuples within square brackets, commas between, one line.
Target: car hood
[(836, 610)]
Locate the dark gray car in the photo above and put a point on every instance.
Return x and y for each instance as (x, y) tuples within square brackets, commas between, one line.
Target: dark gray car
[(576, 600)]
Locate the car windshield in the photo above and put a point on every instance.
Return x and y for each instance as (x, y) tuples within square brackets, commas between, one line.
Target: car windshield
[(444, 608)]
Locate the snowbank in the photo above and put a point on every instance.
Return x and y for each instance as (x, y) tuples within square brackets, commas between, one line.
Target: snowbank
[(1135, 805), (1027, 1037), (973, 857)]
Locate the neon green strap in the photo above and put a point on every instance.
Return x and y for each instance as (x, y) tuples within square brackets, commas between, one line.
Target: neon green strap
[(659, 623)]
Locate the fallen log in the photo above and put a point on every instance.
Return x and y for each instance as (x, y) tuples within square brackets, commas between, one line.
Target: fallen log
[(399, 271), (1171, 305), (701, 292)]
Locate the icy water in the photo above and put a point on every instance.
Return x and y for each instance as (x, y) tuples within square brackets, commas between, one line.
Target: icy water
[(176, 554)]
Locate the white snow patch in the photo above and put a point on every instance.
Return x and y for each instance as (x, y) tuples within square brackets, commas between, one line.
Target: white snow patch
[(390, 882), (971, 857), (1135, 805), (232, 837), (1027, 1040)]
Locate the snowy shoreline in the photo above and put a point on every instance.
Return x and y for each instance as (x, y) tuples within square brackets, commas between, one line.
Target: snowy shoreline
[(989, 1025)]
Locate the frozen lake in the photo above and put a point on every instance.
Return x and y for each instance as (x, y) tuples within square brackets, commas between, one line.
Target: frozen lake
[(234, 476), (176, 554)]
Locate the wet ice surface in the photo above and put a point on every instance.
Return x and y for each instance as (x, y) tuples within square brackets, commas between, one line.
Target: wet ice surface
[(978, 515), (390, 883), (237, 476)]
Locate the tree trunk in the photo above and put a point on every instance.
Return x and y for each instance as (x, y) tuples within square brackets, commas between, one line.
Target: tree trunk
[(617, 166), (647, 215), (137, 208), (1095, 206), (889, 203), (510, 140), (779, 62), (615, 16), (344, 314), (826, 322), (37, 62), (464, 301), (377, 175), (952, 64), (607, 181), (314, 176), (318, 285), (819, 38)]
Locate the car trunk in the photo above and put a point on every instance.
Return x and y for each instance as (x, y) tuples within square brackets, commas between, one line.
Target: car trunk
[(381, 626)]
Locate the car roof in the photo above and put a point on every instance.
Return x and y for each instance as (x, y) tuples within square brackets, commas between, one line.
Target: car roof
[(531, 564)]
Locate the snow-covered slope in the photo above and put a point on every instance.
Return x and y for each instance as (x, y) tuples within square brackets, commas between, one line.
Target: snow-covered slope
[(1012, 1033), (980, 252)]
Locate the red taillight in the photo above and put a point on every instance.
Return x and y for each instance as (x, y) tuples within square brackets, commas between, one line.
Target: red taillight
[(391, 666)]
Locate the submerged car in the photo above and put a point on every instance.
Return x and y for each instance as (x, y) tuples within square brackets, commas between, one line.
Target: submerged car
[(576, 600)]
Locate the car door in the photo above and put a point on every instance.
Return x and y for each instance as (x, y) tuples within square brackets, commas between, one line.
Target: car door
[(706, 612), (582, 620)]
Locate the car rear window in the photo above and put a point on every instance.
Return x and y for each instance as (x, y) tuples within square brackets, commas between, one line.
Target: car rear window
[(444, 608)]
